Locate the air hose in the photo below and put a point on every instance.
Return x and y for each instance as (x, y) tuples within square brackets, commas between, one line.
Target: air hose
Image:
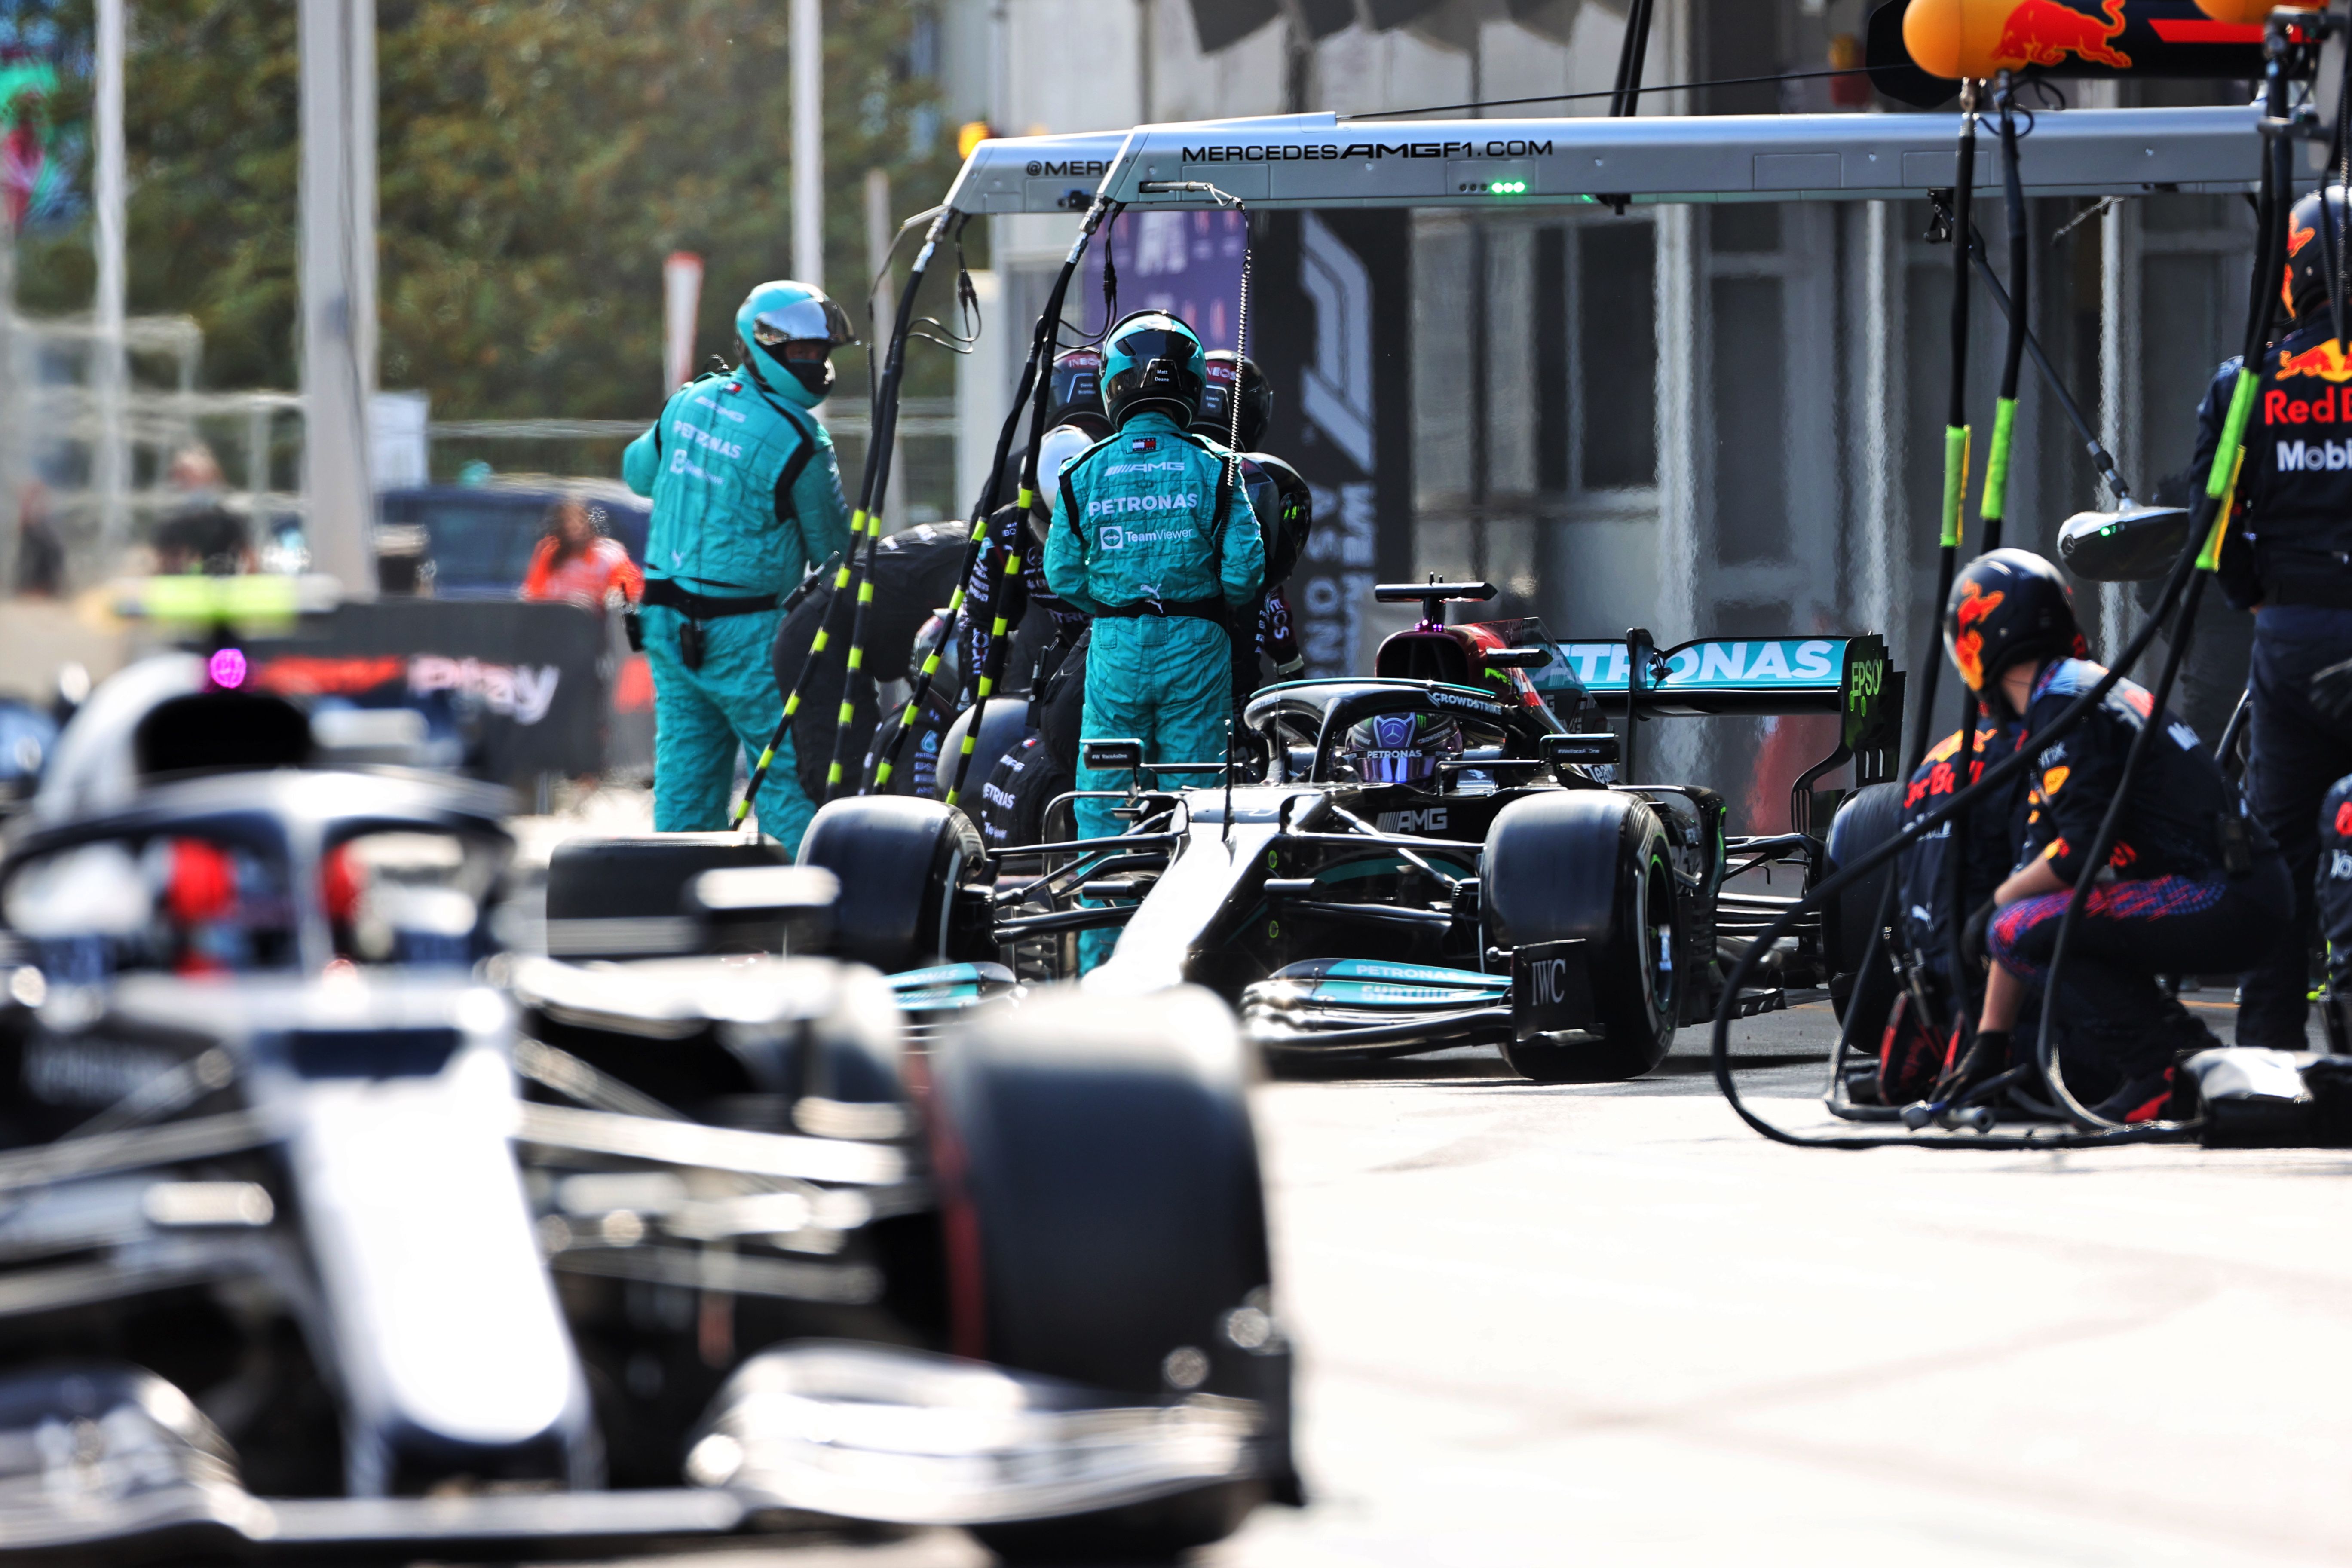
[(2221, 489), (2182, 591), (865, 519), (885, 432), (975, 542), (1041, 354)]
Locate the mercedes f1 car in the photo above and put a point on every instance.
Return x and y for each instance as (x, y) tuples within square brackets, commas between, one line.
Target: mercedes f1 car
[(1512, 895), (327, 1227)]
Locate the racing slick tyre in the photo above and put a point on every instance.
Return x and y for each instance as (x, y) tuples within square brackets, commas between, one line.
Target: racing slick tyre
[(1595, 865), (1104, 1223), (626, 898), (902, 862), (1872, 816)]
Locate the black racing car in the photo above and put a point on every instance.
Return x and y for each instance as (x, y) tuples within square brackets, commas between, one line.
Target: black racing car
[(327, 1227), (1509, 893)]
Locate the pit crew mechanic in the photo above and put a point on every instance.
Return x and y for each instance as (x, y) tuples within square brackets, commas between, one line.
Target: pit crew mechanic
[(1153, 540), (746, 494), (1074, 422), (2290, 561), (2191, 883)]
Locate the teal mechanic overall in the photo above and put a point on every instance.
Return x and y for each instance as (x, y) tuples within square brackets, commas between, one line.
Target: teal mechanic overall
[(746, 495), (1141, 544)]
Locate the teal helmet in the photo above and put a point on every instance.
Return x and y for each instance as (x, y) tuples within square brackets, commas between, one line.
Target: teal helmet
[(786, 332), (1152, 360)]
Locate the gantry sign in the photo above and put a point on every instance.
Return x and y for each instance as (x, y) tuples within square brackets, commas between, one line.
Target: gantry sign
[(1320, 161)]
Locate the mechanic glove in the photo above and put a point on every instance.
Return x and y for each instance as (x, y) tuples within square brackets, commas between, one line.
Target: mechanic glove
[(1973, 933), (2331, 690)]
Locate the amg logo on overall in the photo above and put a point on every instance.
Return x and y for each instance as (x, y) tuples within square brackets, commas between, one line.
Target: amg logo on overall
[(1552, 988)]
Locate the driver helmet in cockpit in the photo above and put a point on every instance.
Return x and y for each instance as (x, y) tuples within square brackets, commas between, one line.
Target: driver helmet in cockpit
[(1401, 748)]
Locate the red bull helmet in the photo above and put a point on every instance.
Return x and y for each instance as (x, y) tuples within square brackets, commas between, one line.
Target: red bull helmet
[(2310, 254), (2007, 606)]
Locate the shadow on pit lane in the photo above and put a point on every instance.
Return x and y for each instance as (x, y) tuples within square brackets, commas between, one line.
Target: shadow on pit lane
[(1696, 1070)]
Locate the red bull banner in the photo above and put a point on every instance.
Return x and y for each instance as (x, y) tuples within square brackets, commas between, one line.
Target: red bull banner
[(1954, 40)]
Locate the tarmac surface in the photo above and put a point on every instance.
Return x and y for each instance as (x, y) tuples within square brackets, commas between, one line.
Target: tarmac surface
[(1609, 1324)]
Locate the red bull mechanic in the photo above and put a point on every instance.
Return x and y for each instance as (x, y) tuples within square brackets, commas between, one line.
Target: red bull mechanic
[(2289, 559)]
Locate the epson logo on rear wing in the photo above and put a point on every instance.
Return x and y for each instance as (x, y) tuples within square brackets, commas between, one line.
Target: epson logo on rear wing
[(1313, 153)]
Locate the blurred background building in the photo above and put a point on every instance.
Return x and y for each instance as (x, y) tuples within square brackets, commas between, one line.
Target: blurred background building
[(1702, 420)]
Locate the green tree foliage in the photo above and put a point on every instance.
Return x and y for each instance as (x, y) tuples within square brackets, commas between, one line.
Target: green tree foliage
[(537, 160)]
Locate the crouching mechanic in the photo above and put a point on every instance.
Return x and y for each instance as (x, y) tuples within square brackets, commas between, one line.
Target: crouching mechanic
[(1154, 541), (2191, 884), (746, 494)]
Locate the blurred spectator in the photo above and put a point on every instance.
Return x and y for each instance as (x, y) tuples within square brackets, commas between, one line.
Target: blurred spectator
[(40, 554), (576, 561), (201, 534), (195, 471)]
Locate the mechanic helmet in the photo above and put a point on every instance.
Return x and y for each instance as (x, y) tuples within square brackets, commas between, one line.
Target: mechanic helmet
[(1401, 748), (1061, 446), (1216, 417), (2007, 606), (786, 333), (1152, 361), (1074, 393), (2305, 289)]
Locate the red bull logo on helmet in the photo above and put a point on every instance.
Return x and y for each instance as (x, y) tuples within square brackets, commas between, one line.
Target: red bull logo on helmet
[(1968, 640)]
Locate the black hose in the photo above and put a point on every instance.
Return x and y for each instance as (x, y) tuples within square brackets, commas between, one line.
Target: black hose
[(2273, 210), (2182, 590), (1048, 326), (1956, 487), (2100, 458), (973, 546), (1912, 832), (882, 433)]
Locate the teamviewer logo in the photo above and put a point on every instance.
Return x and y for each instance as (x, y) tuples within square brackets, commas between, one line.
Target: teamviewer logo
[(1114, 538)]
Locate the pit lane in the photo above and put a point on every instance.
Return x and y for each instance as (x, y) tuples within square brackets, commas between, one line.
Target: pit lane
[(1607, 1324)]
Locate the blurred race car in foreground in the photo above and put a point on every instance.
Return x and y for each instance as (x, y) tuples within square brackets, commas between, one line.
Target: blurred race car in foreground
[(327, 1228)]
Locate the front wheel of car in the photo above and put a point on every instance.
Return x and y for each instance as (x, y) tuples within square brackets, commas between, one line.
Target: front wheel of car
[(1595, 867), (901, 861), (1105, 1224)]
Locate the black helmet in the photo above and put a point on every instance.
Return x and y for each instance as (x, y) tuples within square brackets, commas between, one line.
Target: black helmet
[(1296, 501), (2007, 606), (1152, 361), (1401, 748), (1075, 390), (2309, 253), (1216, 416)]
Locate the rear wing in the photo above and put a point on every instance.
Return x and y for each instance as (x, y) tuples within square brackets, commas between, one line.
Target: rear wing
[(1718, 676)]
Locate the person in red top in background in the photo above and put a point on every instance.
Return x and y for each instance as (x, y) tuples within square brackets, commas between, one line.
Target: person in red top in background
[(577, 562)]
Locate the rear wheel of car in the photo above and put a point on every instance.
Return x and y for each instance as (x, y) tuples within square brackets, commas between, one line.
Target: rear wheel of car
[(1872, 816), (626, 898), (1105, 1224), (1591, 865), (901, 861)]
